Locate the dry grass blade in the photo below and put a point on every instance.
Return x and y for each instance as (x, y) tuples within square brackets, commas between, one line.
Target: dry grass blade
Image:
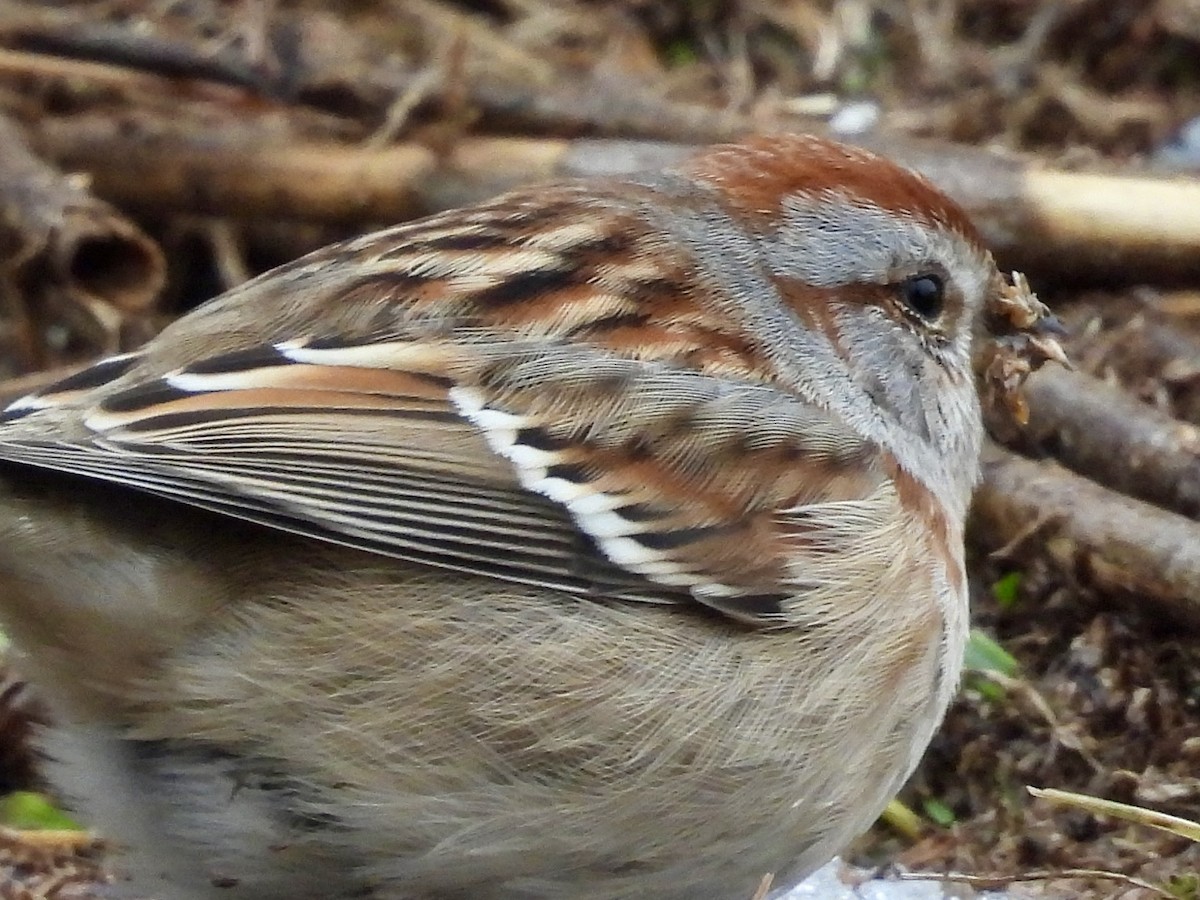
[(995, 882), (1138, 815)]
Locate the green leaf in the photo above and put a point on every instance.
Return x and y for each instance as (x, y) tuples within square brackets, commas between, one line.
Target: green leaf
[(31, 811), (1184, 885), (938, 812), (985, 655), (681, 53), (1006, 588), (985, 688)]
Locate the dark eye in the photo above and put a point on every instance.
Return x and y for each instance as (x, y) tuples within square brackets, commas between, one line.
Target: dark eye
[(925, 295)]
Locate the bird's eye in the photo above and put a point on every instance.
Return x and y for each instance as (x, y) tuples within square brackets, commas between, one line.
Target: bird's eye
[(925, 295)]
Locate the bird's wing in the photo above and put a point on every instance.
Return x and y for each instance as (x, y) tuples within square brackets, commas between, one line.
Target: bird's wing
[(469, 444)]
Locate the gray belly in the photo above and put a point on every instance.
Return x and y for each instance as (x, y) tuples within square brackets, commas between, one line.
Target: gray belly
[(445, 741)]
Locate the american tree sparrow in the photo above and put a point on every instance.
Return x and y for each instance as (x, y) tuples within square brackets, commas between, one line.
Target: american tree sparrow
[(601, 541)]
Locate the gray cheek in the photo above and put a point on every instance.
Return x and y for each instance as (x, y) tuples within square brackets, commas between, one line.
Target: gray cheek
[(889, 364)]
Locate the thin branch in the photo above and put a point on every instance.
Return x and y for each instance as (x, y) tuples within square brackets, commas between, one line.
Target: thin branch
[(1111, 541)]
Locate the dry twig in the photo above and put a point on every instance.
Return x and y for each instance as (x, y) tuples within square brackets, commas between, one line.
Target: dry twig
[(1104, 433), (1116, 543), (58, 242)]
